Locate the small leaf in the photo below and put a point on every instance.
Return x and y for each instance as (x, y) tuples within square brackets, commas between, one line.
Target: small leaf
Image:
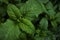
[(38, 31), (54, 24), (44, 23)]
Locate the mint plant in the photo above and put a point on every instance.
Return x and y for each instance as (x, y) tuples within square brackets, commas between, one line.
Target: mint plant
[(29, 20)]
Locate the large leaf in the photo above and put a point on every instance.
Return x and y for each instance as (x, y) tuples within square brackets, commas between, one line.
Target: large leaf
[(44, 23), (9, 31), (31, 9), (27, 26)]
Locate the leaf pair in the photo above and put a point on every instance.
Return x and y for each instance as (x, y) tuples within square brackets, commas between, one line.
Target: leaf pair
[(15, 14)]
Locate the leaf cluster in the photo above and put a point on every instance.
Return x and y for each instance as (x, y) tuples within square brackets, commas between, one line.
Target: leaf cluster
[(29, 20)]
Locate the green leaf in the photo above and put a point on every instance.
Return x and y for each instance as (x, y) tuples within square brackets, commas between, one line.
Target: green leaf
[(58, 17), (38, 31), (11, 14), (15, 10), (27, 26), (44, 8), (54, 24), (31, 9), (50, 10), (44, 23), (49, 5), (9, 31)]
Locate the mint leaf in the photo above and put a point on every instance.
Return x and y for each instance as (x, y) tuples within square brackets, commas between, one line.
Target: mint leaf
[(43, 24), (9, 31), (16, 11), (31, 9), (27, 26), (11, 14)]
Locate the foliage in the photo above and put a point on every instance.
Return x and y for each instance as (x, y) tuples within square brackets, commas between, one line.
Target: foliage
[(29, 20)]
